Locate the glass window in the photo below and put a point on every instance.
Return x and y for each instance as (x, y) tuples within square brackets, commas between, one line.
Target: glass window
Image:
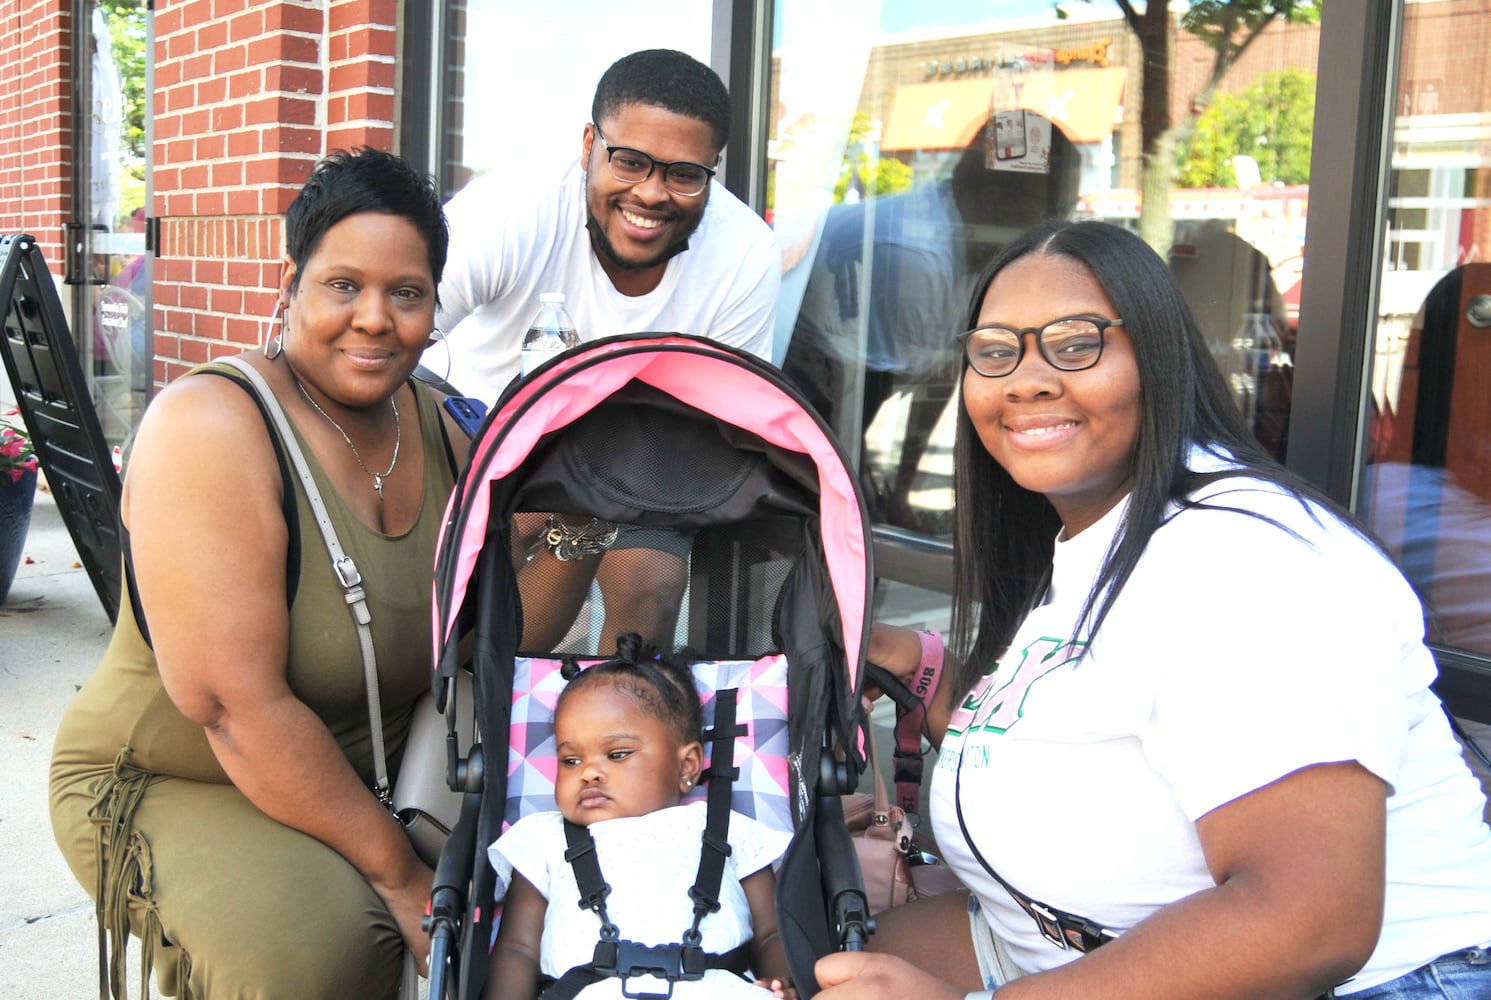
[(112, 301), (520, 76), (1427, 485), (906, 153)]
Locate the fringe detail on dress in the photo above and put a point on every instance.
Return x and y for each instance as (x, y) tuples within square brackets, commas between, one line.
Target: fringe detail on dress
[(125, 881)]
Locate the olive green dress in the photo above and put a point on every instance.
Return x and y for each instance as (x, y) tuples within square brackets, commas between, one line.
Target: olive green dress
[(226, 902)]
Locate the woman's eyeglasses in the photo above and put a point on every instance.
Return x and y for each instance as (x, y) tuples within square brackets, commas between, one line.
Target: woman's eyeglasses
[(632, 166), (1069, 344)]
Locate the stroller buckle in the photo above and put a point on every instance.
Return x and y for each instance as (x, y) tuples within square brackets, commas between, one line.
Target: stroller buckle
[(671, 962)]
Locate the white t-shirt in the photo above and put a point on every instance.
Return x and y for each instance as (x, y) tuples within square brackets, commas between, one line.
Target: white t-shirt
[(1235, 654), (650, 862), (512, 239)]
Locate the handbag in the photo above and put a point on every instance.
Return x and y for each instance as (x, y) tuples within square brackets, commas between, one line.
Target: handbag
[(895, 869), (423, 802), (881, 840)]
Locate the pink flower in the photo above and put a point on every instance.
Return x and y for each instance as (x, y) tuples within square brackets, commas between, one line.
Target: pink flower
[(16, 454)]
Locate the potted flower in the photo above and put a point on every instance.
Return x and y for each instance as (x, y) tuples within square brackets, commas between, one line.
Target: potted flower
[(17, 491)]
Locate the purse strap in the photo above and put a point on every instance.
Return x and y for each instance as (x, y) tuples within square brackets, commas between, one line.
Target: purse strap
[(881, 816), (342, 567)]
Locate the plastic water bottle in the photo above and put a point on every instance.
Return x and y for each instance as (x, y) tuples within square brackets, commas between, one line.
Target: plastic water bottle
[(1255, 346), (551, 332)]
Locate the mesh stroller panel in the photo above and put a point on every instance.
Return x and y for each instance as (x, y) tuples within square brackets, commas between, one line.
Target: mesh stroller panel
[(644, 462)]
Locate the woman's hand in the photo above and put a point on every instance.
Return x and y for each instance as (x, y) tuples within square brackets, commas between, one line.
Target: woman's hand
[(896, 648), (866, 975), (899, 650), (407, 903)]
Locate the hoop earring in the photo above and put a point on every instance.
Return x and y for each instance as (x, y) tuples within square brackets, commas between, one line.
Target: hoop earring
[(421, 373), (273, 348)]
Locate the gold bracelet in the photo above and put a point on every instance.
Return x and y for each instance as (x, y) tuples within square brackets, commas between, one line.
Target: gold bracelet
[(568, 542)]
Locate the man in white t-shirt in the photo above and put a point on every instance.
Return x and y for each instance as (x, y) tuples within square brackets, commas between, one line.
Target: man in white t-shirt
[(639, 237)]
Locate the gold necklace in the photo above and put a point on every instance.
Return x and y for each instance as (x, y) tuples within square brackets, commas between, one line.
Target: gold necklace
[(397, 433)]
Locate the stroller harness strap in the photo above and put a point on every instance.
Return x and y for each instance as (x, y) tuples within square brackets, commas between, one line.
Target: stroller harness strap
[(686, 960)]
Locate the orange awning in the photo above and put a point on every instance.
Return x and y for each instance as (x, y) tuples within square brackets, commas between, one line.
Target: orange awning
[(1086, 102)]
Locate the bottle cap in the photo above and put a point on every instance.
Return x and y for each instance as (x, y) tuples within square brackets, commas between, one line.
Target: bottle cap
[(556, 298)]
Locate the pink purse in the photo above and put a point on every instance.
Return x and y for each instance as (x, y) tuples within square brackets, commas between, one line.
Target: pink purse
[(886, 845), (882, 839)]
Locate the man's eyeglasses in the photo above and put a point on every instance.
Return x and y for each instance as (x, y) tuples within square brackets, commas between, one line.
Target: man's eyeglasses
[(1069, 344), (632, 166)]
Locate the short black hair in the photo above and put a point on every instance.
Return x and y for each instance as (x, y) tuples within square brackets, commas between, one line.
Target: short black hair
[(667, 79), (662, 684), (346, 183)]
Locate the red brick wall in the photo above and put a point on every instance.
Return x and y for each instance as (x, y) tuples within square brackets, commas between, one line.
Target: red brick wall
[(36, 121), (248, 94)]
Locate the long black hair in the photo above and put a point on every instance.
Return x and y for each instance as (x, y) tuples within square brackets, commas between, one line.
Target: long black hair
[(1004, 535)]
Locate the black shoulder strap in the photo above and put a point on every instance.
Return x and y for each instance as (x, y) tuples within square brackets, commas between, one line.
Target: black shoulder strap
[(287, 479), (287, 505), (1068, 931), (721, 775)]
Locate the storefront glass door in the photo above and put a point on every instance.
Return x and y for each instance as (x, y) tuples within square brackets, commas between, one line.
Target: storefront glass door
[(111, 273)]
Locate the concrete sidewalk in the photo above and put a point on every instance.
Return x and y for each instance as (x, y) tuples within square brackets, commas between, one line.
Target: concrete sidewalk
[(53, 631)]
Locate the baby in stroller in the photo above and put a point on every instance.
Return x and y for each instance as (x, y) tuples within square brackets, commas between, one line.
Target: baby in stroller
[(634, 878)]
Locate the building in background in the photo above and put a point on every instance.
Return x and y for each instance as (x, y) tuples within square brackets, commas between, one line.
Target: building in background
[(1325, 295)]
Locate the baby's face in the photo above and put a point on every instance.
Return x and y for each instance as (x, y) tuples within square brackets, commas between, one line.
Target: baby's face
[(615, 759)]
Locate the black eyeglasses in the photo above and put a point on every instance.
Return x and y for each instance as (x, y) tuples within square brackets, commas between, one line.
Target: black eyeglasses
[(632, 166), (1070, 344)]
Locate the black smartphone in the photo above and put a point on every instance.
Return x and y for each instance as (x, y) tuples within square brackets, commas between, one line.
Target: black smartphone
[(468, 412)]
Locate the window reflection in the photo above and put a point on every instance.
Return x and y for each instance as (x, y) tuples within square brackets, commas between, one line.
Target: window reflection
[(891, 187), (887, 289), (1428, 489), (1427, 486)]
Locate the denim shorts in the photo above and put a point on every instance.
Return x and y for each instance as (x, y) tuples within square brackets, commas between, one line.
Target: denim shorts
[(1460, 975)]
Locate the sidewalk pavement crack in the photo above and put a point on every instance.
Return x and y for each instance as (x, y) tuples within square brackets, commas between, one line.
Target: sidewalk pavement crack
[(86, 905)]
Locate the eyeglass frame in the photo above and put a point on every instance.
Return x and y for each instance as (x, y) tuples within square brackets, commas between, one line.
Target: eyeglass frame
[(653, 164), (1102, 324)]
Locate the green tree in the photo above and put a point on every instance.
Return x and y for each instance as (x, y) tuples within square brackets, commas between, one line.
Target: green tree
[(1228, 27), (886, 175), (126, 22), (1272, 121)]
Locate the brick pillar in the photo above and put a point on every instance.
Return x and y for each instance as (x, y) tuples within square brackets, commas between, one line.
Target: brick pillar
[(36, 121), (248, 95)]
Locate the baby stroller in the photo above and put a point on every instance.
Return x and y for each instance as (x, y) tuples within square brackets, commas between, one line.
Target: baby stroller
[(676, 431)]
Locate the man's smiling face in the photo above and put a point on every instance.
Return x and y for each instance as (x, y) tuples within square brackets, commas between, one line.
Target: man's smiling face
[(637, 228)]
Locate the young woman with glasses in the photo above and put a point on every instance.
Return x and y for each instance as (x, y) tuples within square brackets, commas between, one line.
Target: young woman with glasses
[(1188, 746)]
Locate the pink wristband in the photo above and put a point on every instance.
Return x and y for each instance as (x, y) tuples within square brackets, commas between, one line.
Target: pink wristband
[(929, 672)]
